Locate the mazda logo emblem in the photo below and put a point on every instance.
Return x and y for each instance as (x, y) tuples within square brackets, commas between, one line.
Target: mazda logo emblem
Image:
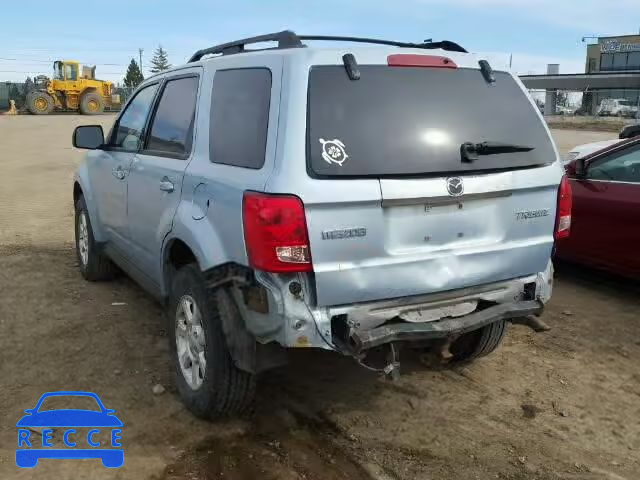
[(455, 187)]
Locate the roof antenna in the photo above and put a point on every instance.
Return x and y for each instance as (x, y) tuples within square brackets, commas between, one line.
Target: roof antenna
[(351, 66)]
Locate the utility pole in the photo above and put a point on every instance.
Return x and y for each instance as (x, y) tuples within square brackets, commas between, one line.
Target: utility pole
[(510, 61), (140, 50)]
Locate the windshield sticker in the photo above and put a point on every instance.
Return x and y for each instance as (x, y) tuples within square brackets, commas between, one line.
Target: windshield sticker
[(333, 151)]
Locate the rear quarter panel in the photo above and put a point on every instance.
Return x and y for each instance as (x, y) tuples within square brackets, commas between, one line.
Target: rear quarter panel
[(209, 217)]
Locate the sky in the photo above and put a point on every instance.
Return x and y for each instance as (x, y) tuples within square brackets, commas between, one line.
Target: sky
[(109, 34)]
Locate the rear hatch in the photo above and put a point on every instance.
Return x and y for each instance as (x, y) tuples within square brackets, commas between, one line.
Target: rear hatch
[(439, 222)]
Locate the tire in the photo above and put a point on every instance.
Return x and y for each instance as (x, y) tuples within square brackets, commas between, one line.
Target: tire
[(217, 388), (39, 103), (94, 266), (112, 459), (91, 104), (26, 458), (479, 343)]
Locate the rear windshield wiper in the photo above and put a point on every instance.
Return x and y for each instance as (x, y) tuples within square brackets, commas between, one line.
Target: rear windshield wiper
[(471, 151)]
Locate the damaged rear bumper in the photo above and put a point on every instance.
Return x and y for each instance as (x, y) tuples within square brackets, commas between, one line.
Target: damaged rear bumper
[(445, 328), (286, 313)]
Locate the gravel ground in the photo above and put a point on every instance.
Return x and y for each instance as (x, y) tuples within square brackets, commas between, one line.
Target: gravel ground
[(560, 405)]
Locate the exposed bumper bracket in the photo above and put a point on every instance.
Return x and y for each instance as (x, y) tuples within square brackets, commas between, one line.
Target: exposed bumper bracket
[(397, 332)]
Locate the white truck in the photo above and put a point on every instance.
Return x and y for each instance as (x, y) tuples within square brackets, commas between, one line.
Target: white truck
[(617, 107)]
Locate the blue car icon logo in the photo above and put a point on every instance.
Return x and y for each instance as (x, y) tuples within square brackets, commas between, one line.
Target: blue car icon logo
[(31, 448)]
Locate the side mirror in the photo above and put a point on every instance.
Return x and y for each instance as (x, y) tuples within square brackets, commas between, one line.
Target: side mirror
[(580, 168), (90, 137)]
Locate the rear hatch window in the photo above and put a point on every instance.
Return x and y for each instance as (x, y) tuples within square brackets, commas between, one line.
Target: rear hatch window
[(412, 121)]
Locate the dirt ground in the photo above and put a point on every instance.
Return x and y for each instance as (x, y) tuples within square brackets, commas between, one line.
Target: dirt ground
[(559, 405)]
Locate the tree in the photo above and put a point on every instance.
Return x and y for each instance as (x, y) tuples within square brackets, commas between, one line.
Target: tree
[(134, 76), (160, 60)]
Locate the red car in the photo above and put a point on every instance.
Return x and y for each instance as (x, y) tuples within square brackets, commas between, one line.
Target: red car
[(605, 224)]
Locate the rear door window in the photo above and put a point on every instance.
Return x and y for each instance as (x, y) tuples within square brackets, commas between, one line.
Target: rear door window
[(172, 125), (412, 121), (240, 117)]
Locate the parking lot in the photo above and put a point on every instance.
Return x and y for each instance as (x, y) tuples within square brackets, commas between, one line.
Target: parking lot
[(564, 404)]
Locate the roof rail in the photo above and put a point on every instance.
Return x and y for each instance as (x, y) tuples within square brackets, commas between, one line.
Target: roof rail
[(285, 39), (444, 44), (288, 39)]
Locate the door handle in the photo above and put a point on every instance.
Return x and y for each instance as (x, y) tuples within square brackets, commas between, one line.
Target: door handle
[(119, 173), (166, 185)]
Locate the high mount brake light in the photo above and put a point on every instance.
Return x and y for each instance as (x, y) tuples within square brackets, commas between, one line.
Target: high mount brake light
[(275, 233), (414, 60)]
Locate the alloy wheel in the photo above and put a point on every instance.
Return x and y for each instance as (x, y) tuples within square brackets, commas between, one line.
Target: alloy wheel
[(190, 342), (83, 238)]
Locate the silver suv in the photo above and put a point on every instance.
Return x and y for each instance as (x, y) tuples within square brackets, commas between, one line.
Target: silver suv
[(351, 199)]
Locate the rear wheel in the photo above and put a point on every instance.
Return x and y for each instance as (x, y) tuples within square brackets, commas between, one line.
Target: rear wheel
[(478, 343), (91, 104), (209, 382), (112, 458), (40, 103)]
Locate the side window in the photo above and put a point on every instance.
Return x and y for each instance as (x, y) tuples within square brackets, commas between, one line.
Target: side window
[(633, 62), (619, 61), (624, 167), (606, 61), (172, 125), (57, 71), (128, 131), (240, 117), (71, 73)]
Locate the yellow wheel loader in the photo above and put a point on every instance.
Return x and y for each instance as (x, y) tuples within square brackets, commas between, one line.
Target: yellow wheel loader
[(71, 90)]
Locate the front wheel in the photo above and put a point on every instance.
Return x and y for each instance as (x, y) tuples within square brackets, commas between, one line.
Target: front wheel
[(208, 381), (26, 458), (94, 266), (40, 103)]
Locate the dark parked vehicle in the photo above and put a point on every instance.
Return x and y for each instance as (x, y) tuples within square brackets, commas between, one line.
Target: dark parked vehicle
[(630, 131), (605, 230)]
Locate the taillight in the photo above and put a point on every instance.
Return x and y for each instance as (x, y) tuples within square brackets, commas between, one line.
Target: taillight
[(563, 214), (275, 233)]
